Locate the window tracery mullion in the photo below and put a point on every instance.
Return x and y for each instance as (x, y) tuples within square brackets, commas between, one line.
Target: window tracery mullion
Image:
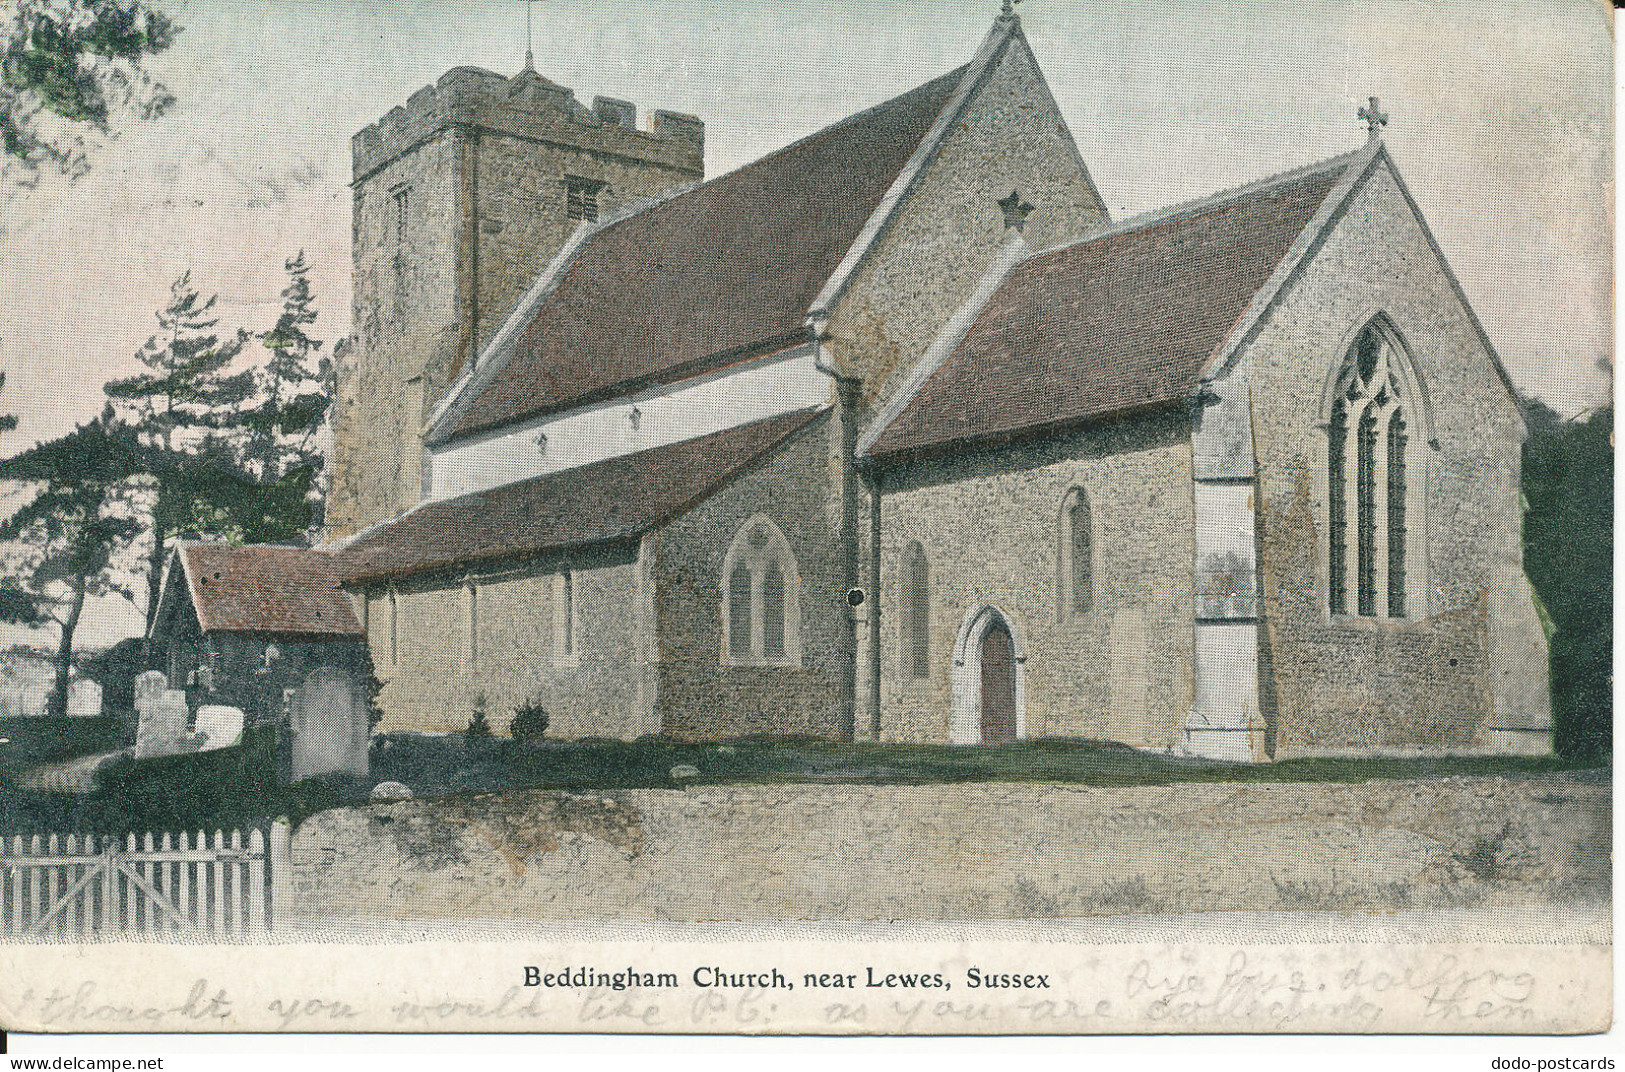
[(758, 616), (1379, 502), (1366, 510), (1351, 510)]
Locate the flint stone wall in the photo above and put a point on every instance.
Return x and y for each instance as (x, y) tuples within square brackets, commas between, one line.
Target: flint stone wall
[(958, 852), (1477, 661)]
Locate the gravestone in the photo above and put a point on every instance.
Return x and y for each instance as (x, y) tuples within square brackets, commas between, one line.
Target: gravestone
[(33, 700), (84, 698), (329, 724), (219, 726), (161, 717)]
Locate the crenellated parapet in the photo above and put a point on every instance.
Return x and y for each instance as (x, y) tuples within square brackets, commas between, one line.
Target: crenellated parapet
[(532, 107)]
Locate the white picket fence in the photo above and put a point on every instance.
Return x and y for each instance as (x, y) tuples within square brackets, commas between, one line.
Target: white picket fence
[(95, 887)]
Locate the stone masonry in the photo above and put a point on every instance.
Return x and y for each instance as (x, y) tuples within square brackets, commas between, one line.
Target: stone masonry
[(459, 202), (432, 675), (1444, 681), (958, 852), (1122, 670)]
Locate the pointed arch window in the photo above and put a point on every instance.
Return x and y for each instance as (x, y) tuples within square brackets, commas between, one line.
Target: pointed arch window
[(566, 618), (1370, 490), (914, 597), (1076, 581), (761, 616)]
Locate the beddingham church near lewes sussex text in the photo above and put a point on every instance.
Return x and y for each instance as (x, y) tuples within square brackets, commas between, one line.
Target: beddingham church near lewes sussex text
[(895, 434)]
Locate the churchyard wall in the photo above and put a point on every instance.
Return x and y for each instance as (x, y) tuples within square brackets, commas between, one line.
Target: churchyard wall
[(990, 526), (956, 852), (1474, 657)]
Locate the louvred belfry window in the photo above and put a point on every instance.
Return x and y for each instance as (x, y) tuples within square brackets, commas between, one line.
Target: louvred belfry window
[(1369, 422)]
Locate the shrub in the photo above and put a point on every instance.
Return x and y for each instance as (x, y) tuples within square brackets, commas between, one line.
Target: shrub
[(530, 722), (479, 727)]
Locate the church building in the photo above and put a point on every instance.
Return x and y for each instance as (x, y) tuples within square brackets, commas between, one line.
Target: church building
[(894, 434)]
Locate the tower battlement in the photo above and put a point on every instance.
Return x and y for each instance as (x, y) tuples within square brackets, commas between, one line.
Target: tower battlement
[(532, 107)]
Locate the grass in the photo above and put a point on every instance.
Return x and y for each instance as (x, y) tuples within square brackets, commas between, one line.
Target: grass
[(237, 786), (34, 742), (439, 765)]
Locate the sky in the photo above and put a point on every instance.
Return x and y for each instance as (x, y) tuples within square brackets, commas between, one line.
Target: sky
[(1501, 121)]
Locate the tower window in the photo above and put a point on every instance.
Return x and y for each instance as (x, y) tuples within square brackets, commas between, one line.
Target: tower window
[(581, 198), (403, 202)]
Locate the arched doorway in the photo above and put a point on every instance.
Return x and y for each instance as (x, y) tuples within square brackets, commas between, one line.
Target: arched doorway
[(989, 674), (998, 686)]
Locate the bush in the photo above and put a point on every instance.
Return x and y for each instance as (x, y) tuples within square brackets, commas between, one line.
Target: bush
[(479, 727), (36, 741), (530, 722), (115, 670), (1568, 483)]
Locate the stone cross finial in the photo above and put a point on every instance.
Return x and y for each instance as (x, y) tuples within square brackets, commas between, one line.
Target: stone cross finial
[(530, 59), (1375, 118), (1016, 211)]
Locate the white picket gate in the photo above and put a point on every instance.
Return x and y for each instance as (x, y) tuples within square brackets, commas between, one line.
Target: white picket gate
[(86, 887)]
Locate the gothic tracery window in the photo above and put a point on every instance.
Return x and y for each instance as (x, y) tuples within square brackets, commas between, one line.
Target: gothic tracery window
[(761, 620), (1367, 486)]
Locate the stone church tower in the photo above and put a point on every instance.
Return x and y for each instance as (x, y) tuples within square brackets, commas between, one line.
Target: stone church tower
[(460, 199)]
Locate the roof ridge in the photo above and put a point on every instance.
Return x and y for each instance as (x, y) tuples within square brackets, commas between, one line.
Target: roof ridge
[(971, 76), (363, 564), (1218, 199), (478, 373), (846, 121)]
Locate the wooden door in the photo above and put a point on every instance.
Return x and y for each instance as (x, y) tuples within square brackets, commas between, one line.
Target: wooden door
[(998, 686)]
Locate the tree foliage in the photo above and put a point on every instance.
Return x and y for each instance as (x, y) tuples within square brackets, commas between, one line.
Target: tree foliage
[(284, 423), (77, 537), (69, 69), (1568, 482), (8, 421), (179, 410), (184, 400)]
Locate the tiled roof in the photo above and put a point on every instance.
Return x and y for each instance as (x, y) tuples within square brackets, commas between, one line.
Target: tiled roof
[(618, 499), (1119, 322), (709, 275), (261, 589)]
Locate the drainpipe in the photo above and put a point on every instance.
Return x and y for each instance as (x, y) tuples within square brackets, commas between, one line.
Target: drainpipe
[(847, 395)]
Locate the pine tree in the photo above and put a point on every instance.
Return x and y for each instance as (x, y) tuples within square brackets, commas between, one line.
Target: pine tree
[(182, 411), (294, 390), (69, 69), (79, 536), (8, 421)]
